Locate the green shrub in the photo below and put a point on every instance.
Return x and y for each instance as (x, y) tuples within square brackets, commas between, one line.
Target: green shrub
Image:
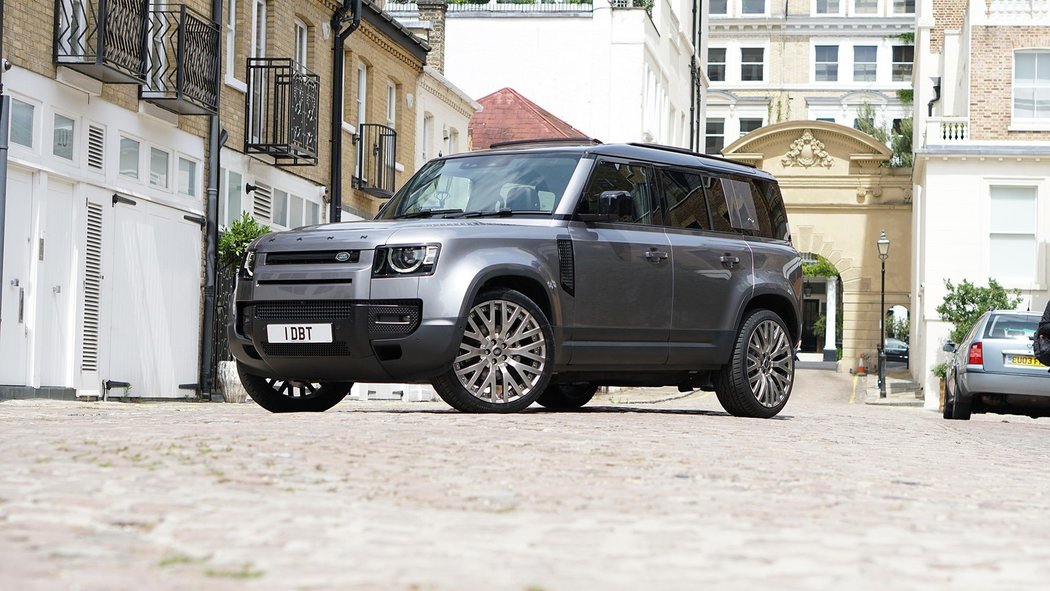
[(964, 303), (235, 240)]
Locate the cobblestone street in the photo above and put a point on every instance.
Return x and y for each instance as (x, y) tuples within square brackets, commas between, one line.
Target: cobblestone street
[(832, 494)]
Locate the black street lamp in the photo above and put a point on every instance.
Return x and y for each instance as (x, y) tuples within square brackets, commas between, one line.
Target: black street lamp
[(884, 252)]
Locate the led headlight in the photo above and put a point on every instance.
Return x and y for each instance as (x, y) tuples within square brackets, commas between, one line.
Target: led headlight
[(396, 261), (248, 266)]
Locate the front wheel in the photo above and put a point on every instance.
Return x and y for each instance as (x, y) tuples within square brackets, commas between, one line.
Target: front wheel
[(505, 356), (277, 395), (959, 407), (757, 380)]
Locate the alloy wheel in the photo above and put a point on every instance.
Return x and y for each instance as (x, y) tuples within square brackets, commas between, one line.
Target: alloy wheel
[(769, 364), (502, 356)]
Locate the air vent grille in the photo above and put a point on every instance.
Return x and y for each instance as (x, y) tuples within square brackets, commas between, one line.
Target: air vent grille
[(263, 202), (96, 151), (567, 266), (92, 288)]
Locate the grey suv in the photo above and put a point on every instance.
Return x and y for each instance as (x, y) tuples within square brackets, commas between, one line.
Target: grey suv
[(533, 274)]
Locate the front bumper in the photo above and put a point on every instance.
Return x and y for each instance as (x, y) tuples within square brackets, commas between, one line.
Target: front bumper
[(373, 340)]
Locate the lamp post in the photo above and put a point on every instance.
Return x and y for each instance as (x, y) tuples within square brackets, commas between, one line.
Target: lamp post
[(883, 245)]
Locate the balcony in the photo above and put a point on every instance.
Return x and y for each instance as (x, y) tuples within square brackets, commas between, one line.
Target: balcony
[(280, 117), (104, 39), (182, 64), (947, 131), (376, 157)]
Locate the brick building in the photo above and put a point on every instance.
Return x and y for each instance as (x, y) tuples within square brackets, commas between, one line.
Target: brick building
[(126, 117), (982, 142)]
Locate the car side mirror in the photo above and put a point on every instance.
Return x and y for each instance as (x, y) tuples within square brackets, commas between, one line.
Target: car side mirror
[(949, 347), (616, 205)]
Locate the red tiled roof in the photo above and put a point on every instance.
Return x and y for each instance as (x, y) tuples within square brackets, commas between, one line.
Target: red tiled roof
[(508, 116)]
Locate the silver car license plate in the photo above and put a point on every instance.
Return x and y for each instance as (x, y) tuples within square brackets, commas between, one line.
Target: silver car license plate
[(299, 333)]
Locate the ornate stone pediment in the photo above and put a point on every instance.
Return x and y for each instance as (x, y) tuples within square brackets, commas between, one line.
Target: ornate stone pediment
[(807, 151)]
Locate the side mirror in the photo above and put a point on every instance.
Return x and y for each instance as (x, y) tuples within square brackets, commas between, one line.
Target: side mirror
[(949, 347), (617, 205)]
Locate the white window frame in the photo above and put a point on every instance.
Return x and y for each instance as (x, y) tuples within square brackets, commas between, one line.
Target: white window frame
[(764, 12), (855, 12), (708, 134), (1036, 279), (138, 156), (724, 63), (893, 64), (258, 47), (838, 62), (74, 152), (729, 8), (893, 8), (1018, 123), (391, 105), (362, 94), (34, 132), (224, 196), (167, 172), (740, 118), (302, 44), (837, 12), (428, 134), (194, 180), (853, 66), (740, 68), (231, 48)]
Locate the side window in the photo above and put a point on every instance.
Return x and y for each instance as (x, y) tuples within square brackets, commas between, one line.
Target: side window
[(686, 202), (619, 176), (716, 196), (771, 204), (742, 214)]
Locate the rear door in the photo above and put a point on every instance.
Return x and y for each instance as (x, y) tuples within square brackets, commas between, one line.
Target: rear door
[(623, 273), (712, 268)]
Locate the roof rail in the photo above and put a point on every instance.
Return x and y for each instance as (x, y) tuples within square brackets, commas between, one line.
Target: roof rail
[(689, 152), (551, 141)]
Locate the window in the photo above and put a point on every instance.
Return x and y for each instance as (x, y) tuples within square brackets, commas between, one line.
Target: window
[(259, 29), (827, 63), (686, 202), (753, 6), (827, 6), (231, 38), (716, 199), (1012, 225), (187, 176), (391, 105), (865, 6), (716, 64), (1032, 85), (741, 204), (864, 63), (716, 136), (898, 126), (903, 56), (452, 141), (719, 6), (864, 124), (312, 215), (903, 6), (302, 41), (295, 212), (158, 168), (828, 119), (22, 123), (751, 63), (63, 135), (362, 93), (129, 157), (280, 207), (231, 197), (635, 179), (428, 135), (749, 125)]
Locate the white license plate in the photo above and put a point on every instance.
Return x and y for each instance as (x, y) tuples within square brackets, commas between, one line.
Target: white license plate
[(299, 333)]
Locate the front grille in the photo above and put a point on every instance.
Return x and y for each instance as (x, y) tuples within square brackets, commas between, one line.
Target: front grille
[(391, 321), (306, 349), (313, 257), (319, 310)]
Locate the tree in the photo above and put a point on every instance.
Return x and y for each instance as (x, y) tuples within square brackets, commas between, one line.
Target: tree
[(964, 303), (899, 140)]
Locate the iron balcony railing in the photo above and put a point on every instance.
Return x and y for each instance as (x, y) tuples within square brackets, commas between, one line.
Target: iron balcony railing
[(376, 158), (280, 116), (182, 63), (104, 39), (564, 7)]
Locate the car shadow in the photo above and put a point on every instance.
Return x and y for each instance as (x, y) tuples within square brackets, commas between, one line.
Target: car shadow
[(615, 409)]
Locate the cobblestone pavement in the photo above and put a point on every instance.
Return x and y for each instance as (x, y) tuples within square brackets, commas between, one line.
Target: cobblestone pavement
[(628, 493)]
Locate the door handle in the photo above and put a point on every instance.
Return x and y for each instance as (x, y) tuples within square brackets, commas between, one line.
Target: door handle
[(729, 260), (21, 304), (15, 283), (656, 255)]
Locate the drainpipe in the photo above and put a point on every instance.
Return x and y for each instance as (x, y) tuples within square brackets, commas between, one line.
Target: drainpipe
[(5, 113), (694, 96), (346, 20), (211, 231)]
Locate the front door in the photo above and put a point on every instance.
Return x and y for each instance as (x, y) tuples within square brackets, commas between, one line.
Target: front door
[(56, 289), (623, 276), (14, 333)]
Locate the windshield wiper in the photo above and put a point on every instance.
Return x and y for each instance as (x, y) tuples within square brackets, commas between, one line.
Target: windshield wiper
[(426, 213), (500, 213)]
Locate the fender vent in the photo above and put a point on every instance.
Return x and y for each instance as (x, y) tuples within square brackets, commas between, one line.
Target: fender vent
[(567, 266)]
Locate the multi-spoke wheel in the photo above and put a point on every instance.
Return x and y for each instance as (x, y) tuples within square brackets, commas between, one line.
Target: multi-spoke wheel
[(277, 395), (758, 378), (505, 356)]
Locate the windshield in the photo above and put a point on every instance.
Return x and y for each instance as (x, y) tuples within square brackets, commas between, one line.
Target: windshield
[(496, 184)]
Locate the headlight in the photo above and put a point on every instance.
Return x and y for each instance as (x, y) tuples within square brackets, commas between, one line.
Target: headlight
[(248, 266), (396, 261)]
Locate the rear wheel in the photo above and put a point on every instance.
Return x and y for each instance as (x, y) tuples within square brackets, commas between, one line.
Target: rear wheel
[(277, 395), (505, 356), (566, 396), (757, 380), (960, 407)]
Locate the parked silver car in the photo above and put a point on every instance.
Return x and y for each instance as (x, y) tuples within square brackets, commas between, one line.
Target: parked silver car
[(538, 274), (993, 369)]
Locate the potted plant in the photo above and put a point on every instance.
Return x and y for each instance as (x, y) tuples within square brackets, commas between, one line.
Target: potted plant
[(941, 371), (232, 245)]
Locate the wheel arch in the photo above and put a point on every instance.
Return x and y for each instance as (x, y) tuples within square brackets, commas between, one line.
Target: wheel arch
[(780, 305), (528, 284)]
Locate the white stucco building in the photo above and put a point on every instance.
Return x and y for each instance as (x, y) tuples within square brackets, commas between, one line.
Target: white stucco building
[(617, 70), (982, 166)]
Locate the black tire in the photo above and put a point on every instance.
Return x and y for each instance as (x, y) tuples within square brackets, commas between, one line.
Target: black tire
[(566, 396), (277, 395), (961, 406), (948, 395), (758, 379), (505, 356)]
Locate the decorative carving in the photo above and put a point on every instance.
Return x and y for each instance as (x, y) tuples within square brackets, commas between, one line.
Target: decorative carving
[(807, 151)]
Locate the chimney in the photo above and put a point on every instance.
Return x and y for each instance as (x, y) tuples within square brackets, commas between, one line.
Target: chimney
[(434, 12)]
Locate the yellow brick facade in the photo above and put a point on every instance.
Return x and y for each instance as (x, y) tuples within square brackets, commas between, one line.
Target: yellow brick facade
[(991, 85)]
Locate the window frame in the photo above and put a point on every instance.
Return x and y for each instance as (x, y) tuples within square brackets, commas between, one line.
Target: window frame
[(740, 124), (722, 63), (855, 12), (817, 63), (193, 180), (225, 220), (839, 5), (894, 63), (1035, 279), (763, 12), (708, 134), (1034, 123), (656, 220), (761, 65), (121, 138), (874, 64), (73, 152), (153, 150), (231, 47), (905, 12), (259, 33), (301, 35), (34, 127)]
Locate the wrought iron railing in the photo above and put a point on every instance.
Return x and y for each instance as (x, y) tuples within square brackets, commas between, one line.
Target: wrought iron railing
[(182, 62), (376, 158), (544, 6), (281, 111), (104, 39)]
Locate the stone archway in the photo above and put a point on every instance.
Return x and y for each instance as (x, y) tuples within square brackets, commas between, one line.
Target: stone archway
[(839, 197)]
